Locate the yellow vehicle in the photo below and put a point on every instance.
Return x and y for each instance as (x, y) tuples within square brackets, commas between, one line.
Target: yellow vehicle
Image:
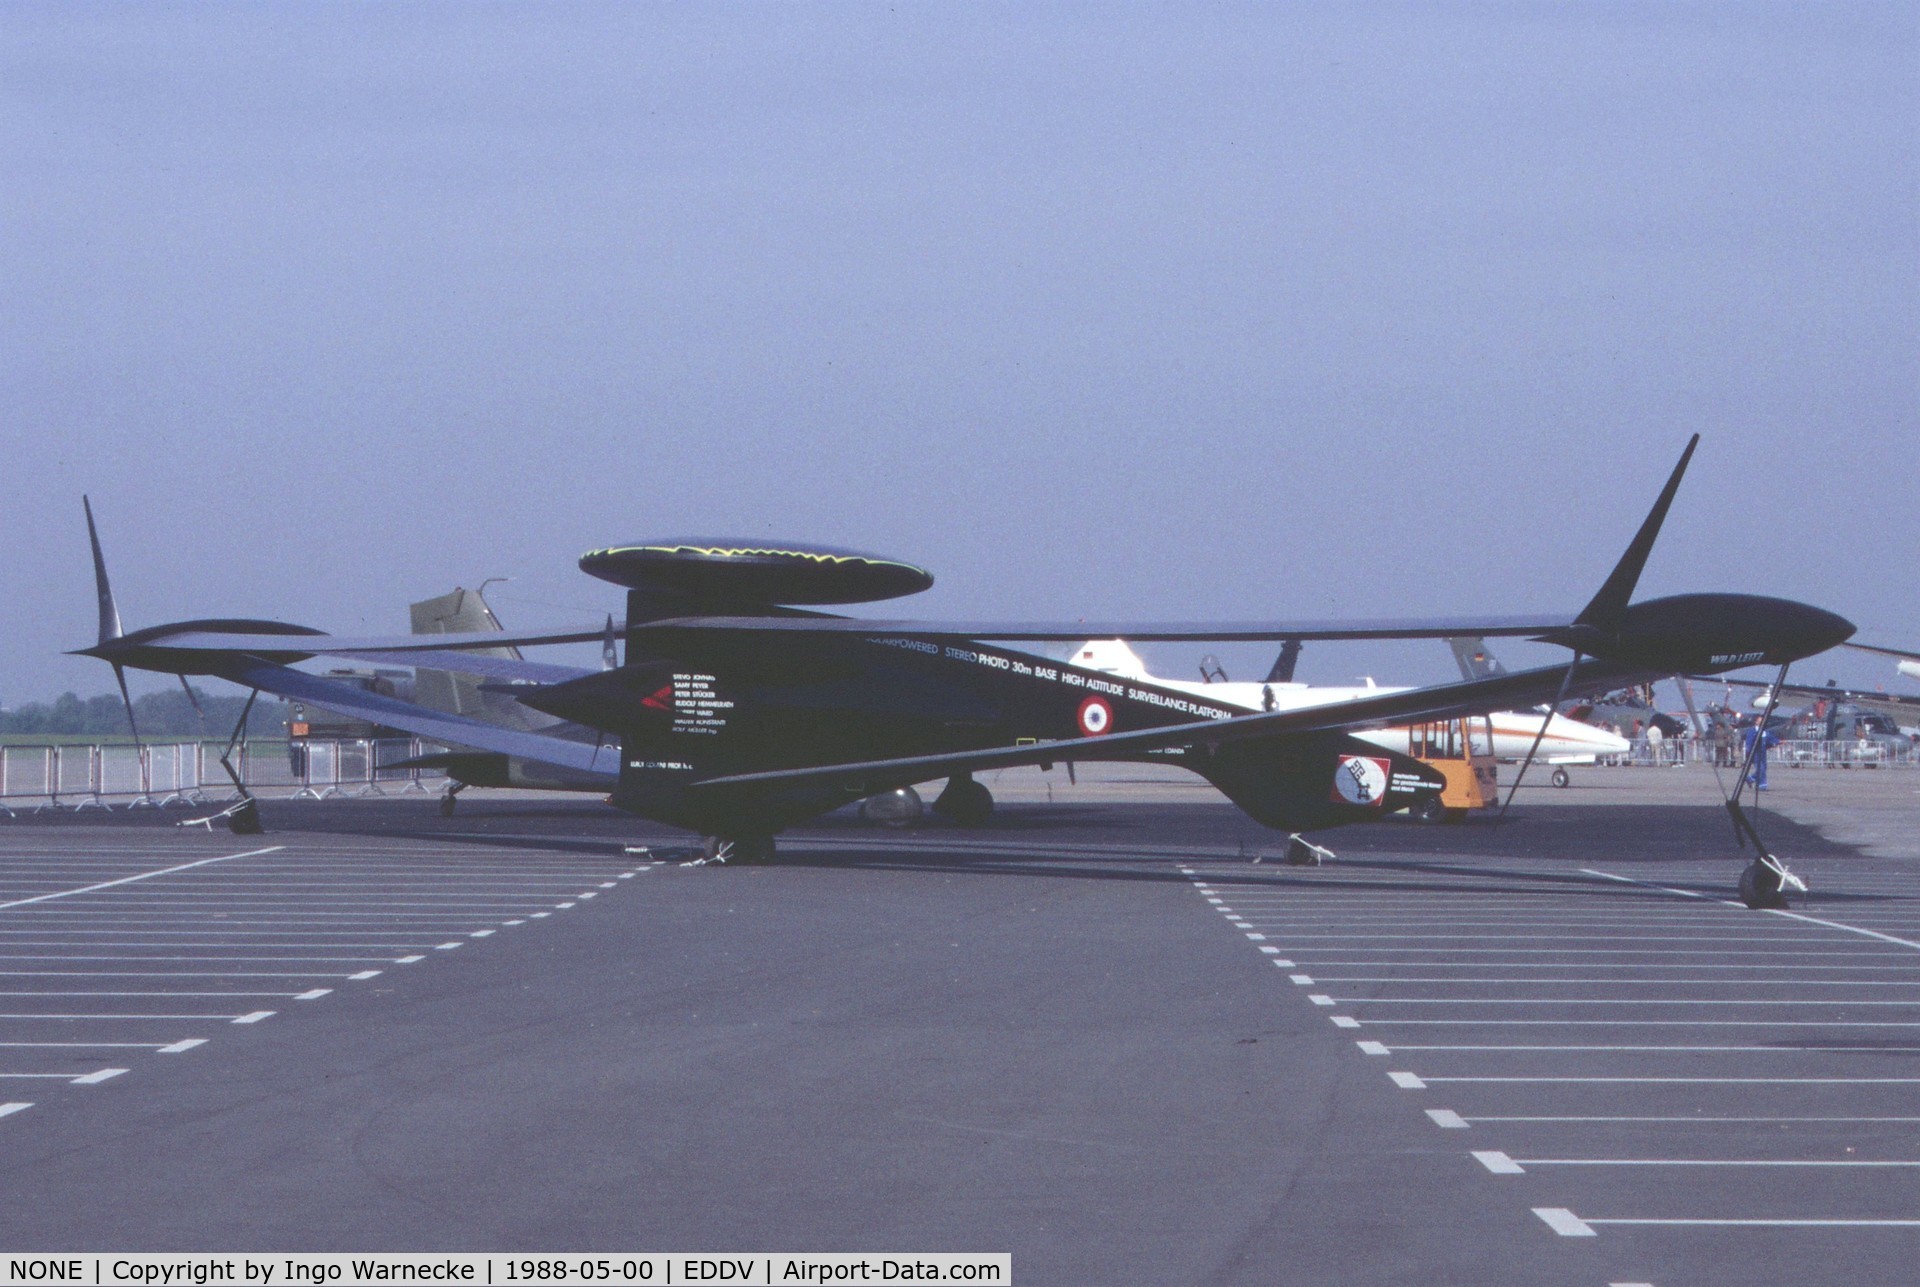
[(1461, 751)]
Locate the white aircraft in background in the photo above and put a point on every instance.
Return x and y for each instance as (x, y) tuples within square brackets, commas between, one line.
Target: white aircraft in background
[(1567, 741), (1909, 663)]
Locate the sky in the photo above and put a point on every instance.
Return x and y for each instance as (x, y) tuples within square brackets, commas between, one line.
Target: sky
[(1154, 311)]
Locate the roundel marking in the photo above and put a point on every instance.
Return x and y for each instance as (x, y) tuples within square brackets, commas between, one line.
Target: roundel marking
[(1096, 717)]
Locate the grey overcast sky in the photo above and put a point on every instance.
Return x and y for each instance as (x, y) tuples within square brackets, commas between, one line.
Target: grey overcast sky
[(1170, 311)]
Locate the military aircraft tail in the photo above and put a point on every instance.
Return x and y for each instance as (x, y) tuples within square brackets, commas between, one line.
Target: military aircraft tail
[(464, 611)]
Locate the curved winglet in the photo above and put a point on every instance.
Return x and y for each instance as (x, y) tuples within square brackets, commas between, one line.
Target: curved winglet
[(1606, 607)]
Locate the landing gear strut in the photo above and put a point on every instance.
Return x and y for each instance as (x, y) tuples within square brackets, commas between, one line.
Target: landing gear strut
[(447, 802), (965, 802)]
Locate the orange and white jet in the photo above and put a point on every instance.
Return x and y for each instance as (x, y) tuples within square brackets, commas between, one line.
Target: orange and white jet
[(1567, 741)]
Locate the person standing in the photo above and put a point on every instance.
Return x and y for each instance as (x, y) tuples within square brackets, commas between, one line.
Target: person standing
[(1758, 732)]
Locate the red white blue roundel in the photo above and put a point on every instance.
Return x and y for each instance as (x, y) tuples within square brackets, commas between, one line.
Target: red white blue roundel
[(1096, 716), (1361, 780)]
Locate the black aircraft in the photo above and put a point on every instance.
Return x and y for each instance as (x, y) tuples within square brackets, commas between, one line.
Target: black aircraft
[(738, 712)]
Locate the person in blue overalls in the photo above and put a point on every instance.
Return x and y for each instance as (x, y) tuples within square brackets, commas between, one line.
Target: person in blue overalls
[(1766, 737)]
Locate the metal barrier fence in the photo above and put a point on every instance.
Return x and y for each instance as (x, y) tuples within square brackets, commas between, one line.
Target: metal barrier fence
[(1844, 753), (188, 773)]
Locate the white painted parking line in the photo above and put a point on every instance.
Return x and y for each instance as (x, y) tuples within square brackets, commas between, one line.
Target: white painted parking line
[(1272, 951), (1565, 1223), (1344, 1021), (1797, 916), (1750, 1224), (1407, 1081), (1372, 1048), (1693, 1081), (1662, 1161), (1537, 981), (1319, 998), (1497, 1162), (1305, 980), (1447, 1119), (95, 1078), (314, 994), (1691, 1118), (181, 1047), (1691, 1050), (1769, 1001), (408, 960), (255, 1017), (445, 947), (364, 975), (1644, 1023), (145, 875), (142, 1018), (485, 933)]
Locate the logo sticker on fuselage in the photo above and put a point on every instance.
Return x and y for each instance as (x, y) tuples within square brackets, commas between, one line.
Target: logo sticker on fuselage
[(1360, 779), (1096, 716)]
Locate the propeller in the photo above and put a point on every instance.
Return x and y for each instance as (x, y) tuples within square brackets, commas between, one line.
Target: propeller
[(109, 616)]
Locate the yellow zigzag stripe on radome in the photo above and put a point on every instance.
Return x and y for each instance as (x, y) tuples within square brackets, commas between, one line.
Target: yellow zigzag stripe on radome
[(717, 552)]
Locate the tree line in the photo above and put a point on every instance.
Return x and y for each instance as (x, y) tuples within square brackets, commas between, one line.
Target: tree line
[(163, 714)]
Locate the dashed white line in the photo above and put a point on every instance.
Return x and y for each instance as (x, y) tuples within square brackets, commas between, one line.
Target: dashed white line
[(181, 1047), (1407, 1081), (95, 1078), (1565, 1223), (1447, 1119), (7, 1110), (314, 994), (255, 1017), (1497, 1162)]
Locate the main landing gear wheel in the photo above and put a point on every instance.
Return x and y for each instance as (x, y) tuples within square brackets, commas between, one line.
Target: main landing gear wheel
[(1760, 886), (743, 851), (1561, 778), (965, 802), (244, 818)]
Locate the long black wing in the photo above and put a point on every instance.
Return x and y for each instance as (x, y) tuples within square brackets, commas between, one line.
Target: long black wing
[(1443, 701), (457, 730)]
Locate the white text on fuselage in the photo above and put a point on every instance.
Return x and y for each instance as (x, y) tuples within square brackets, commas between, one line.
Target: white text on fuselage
[(696, 707), (1070, 678)]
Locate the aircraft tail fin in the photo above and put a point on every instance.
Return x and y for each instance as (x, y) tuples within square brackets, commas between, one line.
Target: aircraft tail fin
[(464, 611), (1282, 671), (1474, 660), (1605, 609)]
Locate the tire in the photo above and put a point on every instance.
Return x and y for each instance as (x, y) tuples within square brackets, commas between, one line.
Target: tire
[(1561, 778), (965, 802), (447, 803), (1429, 810)]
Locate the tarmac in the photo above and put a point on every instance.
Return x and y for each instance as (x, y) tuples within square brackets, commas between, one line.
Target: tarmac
[(1108, 1033)]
